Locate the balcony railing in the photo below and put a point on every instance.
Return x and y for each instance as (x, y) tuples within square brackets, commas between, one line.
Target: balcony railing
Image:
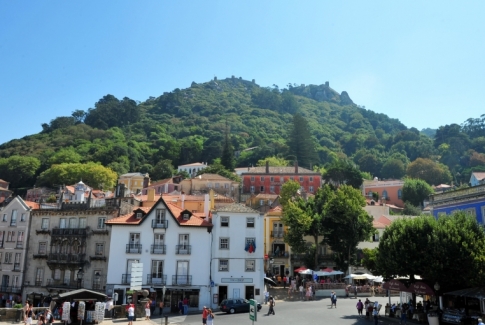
[(125, 278), (280, 254), (64, 283), (159, 249), (19, 245), (9, 289), (183, 249), (157, 279), (182, 280), (16, 266), (97, 286), (133, 248), (38, 283), (41, 255), (69, 232), (160, 224), (65, 258), (277, 234)]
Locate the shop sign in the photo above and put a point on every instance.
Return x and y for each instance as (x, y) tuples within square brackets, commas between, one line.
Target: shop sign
[(237, 280)]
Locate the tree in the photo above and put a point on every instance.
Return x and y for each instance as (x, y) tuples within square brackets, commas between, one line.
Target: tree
[(227, 158), (300, 142), (162, 170), (415, 191), (346, 223), (370, 163), (65, 155), (95, 175), (369, 261), (393, 168), (343, 172), (289, 190), (19, 170), (431, 172), (273, 161)]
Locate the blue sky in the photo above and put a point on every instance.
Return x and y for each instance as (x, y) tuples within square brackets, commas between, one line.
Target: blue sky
[(421, 62)]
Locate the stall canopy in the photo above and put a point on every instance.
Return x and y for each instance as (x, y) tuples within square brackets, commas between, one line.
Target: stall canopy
[(364, 276), (328, 270), (302, 268), (419, 287), (470, 293), (307, 271), (82, 294)]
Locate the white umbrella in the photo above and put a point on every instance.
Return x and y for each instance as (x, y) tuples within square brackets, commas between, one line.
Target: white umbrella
[(335, 273), (323, 273), (378, 279), (364, 276), (307, 271)]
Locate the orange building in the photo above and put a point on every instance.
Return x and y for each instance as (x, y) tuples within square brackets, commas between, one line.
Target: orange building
[(389, 191)]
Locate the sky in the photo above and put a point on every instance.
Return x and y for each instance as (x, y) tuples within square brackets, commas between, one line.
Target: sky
[(422, 62)]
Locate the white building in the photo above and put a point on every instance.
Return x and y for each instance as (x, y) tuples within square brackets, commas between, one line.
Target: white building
[(14, 230), (192, 169), (172, 243), (237, 254)]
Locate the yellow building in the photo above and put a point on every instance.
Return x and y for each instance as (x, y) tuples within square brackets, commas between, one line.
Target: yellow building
[(277, 252), (134, 182)]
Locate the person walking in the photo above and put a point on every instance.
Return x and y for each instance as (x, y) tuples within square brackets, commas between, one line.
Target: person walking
[(272, 303), (205, 312), (404, 311), (210, 317), (181, 306), (131, 313), (355, 291), (147, 310), (375, 314), (333, 299), (359, 306), (302, 293), (266, 297)]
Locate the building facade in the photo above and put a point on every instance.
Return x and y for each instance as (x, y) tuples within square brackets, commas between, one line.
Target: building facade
[(14, 229), (192, 169), (277, 252), (269, 180), (237, 254), (389, 192), (134, 182), (173, 244), (206, 182)]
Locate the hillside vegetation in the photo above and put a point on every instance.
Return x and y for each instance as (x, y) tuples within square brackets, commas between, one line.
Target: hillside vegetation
[(189, 125)]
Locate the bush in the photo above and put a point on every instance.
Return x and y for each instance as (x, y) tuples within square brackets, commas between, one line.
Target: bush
[(18, 306)]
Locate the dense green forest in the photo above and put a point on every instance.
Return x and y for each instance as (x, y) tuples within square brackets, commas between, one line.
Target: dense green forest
[(194, 124)]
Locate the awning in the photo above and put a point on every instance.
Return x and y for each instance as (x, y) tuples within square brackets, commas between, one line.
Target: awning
[(395, 285), (82, 294), (478, 292), (419, 287), (363, 276)]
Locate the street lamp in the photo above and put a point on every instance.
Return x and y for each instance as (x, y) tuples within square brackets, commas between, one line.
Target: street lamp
[(97, 277), (163, 298), (437, 286), (80, 275)]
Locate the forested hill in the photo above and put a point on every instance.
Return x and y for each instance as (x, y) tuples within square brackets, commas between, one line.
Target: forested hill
[(188, 125)]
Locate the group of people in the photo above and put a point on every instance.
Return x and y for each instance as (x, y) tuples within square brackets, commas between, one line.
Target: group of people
[(371, 309), (207, 316), (43, 318)]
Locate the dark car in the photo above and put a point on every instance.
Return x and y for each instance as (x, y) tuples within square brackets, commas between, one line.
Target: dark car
[(236, 305)]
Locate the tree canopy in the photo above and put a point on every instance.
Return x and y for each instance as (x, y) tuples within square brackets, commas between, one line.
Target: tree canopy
[(415, 191)]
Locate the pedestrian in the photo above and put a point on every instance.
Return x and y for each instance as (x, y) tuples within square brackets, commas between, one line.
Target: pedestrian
[(108, 307), (181, 306), (370, 308), (404, 311), (366, 307), (131, 313), (28, 313), (147, 309), (205, 312), (266, 297), (333, 299), (302, 293), (375, 313), (41, 320), (480, 321), (360, 306), (210, 317), (355, 291), (272, 303), (186, 306), (49, 318), (284, 282)]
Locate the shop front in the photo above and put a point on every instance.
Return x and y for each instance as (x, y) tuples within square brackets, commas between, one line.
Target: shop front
[(464, 306)]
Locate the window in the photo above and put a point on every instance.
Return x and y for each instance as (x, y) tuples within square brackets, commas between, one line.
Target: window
[(62, 223), (43, 248), (470, 212), (384, 195), (282, 179), (45, 224), (17, 257), (101, 222), (252, 178), (99, 249), (223, 265), (209, 185), (67, 276), (13, 220), (217, 185), (262, 189), (261, 203), (4, 217), (271, 189), (157, 270), (134, 238), (20, 238), (82, 222), (250, 222), (399, 194), (375, 237), (311, 178), (310, 189), (39, 276), (8, 258), (23, 217), (226, 186), (139, 215), (158, 239), (250, 265), (10, 236), (301, 179), (483, 216), (224, 221), (160, 215), (291, 178), (186, 216), (73, 223), (57, 274), (261, 178), (251, 190), (2, 235), (223, 243)]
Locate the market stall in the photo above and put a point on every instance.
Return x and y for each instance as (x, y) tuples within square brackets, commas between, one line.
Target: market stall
[(464, 306), (82, 305)]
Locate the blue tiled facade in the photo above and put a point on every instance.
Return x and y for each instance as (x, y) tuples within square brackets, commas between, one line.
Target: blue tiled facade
[(470, 200)]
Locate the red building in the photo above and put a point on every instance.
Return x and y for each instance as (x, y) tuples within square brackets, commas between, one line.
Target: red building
[(269, 180)]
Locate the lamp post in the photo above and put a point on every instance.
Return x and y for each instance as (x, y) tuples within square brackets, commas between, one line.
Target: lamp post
[(97, 277), (80, 275), (437, 288)]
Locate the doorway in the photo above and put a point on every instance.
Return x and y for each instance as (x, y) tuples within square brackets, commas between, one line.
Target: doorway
[(222, 294), (249, 292)]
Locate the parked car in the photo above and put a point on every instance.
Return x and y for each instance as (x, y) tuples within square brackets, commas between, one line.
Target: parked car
[(235, 305)]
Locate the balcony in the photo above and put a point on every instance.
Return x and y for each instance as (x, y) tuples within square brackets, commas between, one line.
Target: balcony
[(160, 224), (159, 249), (157, 279), (181, 280), (134, 248), (97, 286), (125, 278), (38, 283), (63, 283), (16, 267), (44, 231), (183, 249), (41, 255), (8, 289), (277, 234), (280, 254), (69, 232), (65, 258)]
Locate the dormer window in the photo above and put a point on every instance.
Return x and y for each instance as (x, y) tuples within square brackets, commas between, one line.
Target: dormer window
[(139, 215), (186, 216)]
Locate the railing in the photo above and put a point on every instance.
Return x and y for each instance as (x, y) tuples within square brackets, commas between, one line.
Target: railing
[(280, 254), (277, 234), (65, 258), (69, 232), (458, 194), (159, 249), (16, 266), (13, 223), (182, 249), (181, 280), (133, 248), (160, 224), (64, 283), (157, 279), (97, 286), (126, 278), (19, 245), (40, 255), (10, 289), (38, 283)]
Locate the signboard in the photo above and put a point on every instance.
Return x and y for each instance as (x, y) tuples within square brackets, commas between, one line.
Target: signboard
[(237, 280), (253, 310), (136, 276)]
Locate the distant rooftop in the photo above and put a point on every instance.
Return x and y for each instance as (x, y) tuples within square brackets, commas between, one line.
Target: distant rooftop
[(236, 207), (279, 170)]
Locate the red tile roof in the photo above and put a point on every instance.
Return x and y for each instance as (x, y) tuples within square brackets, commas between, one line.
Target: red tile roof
[(128, 219), (33, 205)]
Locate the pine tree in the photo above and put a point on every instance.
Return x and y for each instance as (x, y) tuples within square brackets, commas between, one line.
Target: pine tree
[(300, 142)]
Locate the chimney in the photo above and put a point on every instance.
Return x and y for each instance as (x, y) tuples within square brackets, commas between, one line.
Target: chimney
[(151, 195), (296, 166), (165, 190), (146, 180), (267, 167), (183, 201), (206, 205)]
